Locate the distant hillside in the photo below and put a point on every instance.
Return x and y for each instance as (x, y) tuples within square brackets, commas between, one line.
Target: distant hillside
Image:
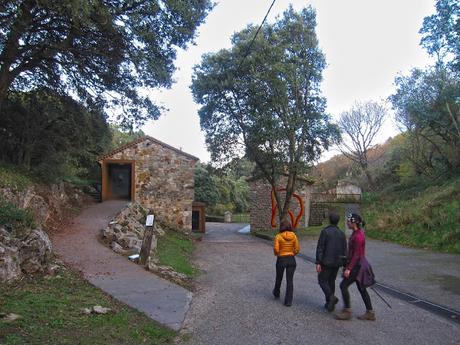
[(339, 167)]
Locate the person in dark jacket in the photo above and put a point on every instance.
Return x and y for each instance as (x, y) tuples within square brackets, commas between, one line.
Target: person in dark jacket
[(330, 255), (357, 270)]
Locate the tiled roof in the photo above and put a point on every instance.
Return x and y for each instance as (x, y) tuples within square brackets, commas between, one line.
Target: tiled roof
[(141, 139)]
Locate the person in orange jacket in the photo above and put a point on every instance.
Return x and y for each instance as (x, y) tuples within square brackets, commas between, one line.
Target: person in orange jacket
[(286, 247)]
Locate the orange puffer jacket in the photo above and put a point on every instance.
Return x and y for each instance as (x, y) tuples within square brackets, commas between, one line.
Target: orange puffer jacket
[(286, 244)]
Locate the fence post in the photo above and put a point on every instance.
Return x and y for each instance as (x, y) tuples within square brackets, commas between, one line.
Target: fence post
[(147, 241)]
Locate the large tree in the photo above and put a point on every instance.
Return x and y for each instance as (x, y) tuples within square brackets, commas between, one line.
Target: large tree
[(266, 102), (360, 125), (101, 50), (51, 134), (427, 101), (441, 33), (428, 108)]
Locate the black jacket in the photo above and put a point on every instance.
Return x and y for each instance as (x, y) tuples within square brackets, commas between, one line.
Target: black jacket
[(332, 247)]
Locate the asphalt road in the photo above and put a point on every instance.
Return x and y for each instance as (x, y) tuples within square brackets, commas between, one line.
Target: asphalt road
[(234, 305)]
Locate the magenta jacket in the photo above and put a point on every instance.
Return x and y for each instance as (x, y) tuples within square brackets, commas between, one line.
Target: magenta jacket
[(356, 248)]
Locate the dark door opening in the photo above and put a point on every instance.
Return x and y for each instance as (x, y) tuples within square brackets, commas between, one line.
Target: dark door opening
[(120, 181), (196, 220)]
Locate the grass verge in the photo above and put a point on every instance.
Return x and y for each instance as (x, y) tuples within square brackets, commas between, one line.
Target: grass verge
[(175, 249), (51, 313)]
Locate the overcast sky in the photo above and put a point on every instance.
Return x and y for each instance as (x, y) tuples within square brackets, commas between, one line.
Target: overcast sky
[(366, 43)]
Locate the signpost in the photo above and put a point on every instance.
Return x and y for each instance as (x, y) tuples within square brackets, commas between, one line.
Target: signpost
[(147, 241)]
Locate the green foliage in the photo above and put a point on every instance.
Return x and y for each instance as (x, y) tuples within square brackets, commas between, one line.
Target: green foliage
[(13, 177), (14, 218), (427, 106), (175, 249), (441, 33), (103, 51), (422, 216), (205, 186), (269, 106), (57, 317), (224, 189), (122, 137), (426, 101), (52, 135)]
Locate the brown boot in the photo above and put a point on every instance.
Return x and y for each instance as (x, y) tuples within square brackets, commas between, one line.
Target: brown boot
[(345, 314), (368, 315)]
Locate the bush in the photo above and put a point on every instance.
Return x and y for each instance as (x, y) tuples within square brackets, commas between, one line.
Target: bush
[(14, 218), (13, 177)]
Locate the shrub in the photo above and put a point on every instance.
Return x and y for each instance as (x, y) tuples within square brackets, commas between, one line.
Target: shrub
[(14, 218)]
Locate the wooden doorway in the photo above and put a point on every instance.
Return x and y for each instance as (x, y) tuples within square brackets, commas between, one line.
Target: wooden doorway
[(118, 180)]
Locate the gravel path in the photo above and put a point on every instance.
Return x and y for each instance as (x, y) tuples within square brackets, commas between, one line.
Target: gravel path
[(234, 305)]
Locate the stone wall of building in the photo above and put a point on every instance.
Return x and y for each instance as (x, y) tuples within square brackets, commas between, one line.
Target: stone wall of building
[(261, 204), (344, 187), (164, 181)]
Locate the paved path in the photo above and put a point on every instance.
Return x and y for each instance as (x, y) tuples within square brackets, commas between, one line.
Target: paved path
[(428, 275), (78, 247), (234, 305)]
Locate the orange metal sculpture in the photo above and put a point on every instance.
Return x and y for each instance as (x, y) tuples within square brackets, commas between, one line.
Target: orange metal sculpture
[(294, 221)]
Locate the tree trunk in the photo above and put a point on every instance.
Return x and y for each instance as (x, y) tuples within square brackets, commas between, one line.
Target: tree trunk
[(5, 83)]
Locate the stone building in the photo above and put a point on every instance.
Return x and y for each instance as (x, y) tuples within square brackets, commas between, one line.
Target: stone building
[(153, 174), (261, 204), (348, 190)]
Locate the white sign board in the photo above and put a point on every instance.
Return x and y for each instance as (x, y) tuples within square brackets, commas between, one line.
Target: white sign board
[(149, 221)]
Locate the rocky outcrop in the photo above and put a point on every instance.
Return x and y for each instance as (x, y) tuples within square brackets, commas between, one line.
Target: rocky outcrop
[(125, 232), (29, 251), (29, 255), (50, 205)]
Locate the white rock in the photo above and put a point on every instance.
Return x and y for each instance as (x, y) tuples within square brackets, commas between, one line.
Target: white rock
[(101, 310)]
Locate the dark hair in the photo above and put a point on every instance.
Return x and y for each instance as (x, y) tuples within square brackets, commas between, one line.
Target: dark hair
[(334, 217), (285, 225), (356, 219)]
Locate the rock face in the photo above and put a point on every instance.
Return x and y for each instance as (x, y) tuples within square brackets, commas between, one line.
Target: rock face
[(126, 231), (23, 256), (50, 205), (29, 251)]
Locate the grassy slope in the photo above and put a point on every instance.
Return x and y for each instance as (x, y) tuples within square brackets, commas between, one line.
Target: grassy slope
[(427, 217), (50, 311), (175, 249)]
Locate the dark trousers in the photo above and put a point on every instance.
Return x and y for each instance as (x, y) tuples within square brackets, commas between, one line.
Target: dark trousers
[(326, 280), (289, 264), (346, 282)]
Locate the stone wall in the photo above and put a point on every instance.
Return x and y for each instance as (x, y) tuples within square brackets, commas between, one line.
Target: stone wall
[(164, 181), (125, 233), (261, 205)]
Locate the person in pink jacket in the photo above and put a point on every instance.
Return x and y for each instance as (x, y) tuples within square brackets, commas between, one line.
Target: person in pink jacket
[(356, 270)]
